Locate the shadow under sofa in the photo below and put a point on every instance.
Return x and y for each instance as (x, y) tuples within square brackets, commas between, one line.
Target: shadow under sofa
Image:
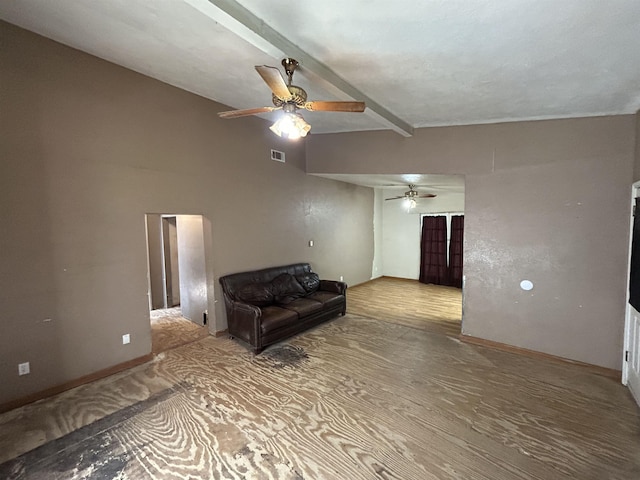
[(269, 305)]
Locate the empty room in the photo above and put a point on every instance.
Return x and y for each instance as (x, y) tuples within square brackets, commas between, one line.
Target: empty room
[(320, 240)]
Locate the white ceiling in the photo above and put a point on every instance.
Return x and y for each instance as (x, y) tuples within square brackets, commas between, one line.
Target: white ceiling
[(416, 63), (400, 182)]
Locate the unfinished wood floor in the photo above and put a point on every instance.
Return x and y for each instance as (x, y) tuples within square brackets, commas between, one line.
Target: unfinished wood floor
[(355, 398), (432, 308), (169, 329)]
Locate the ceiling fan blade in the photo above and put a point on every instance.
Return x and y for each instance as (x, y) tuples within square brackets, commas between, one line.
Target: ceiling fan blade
[(322, 106), (273, 78), (245, 113), (395, 198), (427, 195)]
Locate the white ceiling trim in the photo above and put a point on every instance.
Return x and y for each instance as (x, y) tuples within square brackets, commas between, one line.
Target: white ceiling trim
[(254, 30)]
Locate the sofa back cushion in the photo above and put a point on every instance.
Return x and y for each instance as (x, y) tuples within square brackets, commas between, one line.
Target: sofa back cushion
[(258, 294), (309, 281), (286, 289), (232, 283)]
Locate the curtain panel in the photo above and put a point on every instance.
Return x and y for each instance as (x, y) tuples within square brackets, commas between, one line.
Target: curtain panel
[(455, 251), (433, 251)]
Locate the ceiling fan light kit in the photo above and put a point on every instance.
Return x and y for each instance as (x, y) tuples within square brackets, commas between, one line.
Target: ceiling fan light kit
[(290, 125), (411, 203), (289, 98)]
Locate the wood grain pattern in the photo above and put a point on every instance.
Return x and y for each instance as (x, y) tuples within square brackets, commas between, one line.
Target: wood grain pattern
[(355, 398), (169, 329), (433, 308)]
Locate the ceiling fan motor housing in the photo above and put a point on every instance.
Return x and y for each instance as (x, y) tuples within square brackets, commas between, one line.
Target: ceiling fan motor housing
[(298, 94), (412, 192)]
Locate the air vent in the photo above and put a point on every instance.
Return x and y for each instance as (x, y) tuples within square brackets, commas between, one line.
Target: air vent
[(277, 156)]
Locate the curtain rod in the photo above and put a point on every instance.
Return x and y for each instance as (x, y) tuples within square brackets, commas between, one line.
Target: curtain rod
[(442, 213)]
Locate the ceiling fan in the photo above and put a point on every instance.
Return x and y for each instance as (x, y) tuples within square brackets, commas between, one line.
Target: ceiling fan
[(289, 98), (411, 195)]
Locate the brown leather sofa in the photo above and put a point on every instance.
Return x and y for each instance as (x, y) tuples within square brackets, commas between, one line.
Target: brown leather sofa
[(266, 306)]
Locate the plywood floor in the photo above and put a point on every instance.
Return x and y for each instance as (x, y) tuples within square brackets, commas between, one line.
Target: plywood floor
[(355, 398), (169, 329)]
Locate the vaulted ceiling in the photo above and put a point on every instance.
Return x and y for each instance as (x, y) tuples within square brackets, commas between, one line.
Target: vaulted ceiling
[(416, 63)]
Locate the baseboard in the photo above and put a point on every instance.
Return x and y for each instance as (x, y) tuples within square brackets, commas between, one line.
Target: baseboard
[(221, 333), (382, 277), (606, 372), (365, 282), (92, 377), (400, 278)]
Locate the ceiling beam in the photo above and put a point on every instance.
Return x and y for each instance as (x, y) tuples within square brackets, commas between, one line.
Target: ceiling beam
[(254, 30)]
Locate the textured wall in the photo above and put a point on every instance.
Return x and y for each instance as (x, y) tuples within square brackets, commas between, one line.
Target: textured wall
[(88, 148), (546, 201)]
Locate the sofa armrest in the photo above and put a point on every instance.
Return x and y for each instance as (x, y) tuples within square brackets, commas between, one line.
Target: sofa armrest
[(333, 286), (244, 321)]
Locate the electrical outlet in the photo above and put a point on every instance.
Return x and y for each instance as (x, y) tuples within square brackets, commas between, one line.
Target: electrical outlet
[(24, 368), (341, 278), (126, 338)]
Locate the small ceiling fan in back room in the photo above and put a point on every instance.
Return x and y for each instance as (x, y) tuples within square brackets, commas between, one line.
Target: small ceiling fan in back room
[(411, 196), (289, 98)]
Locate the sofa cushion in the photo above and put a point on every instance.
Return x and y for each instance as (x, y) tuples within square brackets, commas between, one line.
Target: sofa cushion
[(303, 306), (286, 288), (328, 299), (274, 317), (258, 294), (309, 281)]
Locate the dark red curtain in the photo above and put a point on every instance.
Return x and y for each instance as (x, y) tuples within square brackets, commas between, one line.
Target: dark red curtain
[(433, 251), (455, 251)]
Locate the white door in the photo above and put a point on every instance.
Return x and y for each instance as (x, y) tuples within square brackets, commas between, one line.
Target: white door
[(631, 352)]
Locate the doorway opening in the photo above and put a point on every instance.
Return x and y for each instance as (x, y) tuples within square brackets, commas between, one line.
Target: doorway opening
[(178, 296), (397, 257)]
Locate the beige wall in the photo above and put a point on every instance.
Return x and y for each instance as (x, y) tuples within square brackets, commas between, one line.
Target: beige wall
[(88, 148), (545, 201)]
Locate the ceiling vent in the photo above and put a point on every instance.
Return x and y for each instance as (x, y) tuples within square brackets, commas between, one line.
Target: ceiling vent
[(277, 155)]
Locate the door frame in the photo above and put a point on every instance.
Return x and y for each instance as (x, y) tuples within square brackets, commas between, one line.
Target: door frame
[(210, 313), (635, 192)]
